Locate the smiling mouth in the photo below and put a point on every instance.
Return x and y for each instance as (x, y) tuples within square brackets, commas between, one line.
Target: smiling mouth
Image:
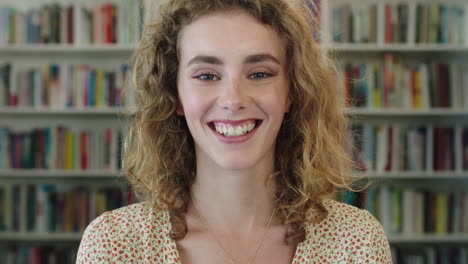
[(230, 130)]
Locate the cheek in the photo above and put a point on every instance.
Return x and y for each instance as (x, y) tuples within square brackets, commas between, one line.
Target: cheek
[(194, 102), (275, 102)]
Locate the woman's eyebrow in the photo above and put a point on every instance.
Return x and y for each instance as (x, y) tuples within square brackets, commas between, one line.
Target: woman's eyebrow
[(205, 59), (248, 60), (260, 58)]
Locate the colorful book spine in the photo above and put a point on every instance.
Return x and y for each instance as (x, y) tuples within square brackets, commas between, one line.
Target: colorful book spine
[(50, 208), (66, 86), (409, 211), (59, 147), (394, 83), (72, 23), (354, 24)]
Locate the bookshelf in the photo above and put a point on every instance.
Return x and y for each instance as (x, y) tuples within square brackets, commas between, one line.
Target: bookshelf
[(59, 61), (370, 47), (399, 36), (365, 35)]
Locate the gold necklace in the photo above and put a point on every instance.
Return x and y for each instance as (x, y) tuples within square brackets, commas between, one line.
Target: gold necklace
[(226, 255)]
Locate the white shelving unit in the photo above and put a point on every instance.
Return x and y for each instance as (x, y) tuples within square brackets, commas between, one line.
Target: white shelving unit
[(107, 56)]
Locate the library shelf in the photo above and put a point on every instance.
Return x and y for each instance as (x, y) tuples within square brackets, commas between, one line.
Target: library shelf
[(428, 238), (61, 48), (40, 237), (353, 47), (41, 174), (423, 175), (389, 112), (104, 111)]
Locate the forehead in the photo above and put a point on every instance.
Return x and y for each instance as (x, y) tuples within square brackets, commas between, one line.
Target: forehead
[(229, 34)]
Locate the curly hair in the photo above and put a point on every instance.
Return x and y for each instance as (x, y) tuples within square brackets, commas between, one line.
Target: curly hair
[(310, 156)]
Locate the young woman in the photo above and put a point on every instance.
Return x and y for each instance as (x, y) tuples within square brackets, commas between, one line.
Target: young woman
[(237, 140)]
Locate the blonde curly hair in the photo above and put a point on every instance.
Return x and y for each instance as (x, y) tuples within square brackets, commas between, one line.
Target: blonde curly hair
[(310, 159)]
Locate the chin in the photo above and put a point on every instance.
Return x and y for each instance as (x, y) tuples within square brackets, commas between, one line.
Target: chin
[(238, 162)]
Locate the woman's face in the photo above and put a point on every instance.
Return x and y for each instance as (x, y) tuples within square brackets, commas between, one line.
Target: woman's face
[(233, 88)]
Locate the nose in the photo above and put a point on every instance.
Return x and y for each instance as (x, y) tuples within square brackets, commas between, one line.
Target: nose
[(233, 97)]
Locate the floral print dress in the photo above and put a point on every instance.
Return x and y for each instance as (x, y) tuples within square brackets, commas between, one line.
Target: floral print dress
[(139, 234)]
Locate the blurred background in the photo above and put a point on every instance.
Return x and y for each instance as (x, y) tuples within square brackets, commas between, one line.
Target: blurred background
[(65, 71)]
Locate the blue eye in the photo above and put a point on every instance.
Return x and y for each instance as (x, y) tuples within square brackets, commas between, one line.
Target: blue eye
[(206, 77), (260, 75)]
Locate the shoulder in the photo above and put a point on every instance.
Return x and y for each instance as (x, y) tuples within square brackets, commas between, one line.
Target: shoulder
[(344, 214), (122, 229), (351, 230), (129, 218)]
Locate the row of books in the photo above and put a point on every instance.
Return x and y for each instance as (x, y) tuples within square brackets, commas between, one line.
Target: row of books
[(440, 23), (111, 23), (392, 83), (430, 255), (402, 22), (60, 147), (410, 211), (47, 208), (65, 86), (354, 23), (399, 147), (34, 254), (434, 23), (75, 23), (396, 22)]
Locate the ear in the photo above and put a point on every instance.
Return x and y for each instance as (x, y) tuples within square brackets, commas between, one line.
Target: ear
[(180, 109)]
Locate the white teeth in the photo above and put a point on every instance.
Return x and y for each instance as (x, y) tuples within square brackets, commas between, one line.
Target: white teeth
[(234, 131), (239, 131)]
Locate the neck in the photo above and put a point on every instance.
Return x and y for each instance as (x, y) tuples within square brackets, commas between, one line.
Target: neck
[(233, 201)]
